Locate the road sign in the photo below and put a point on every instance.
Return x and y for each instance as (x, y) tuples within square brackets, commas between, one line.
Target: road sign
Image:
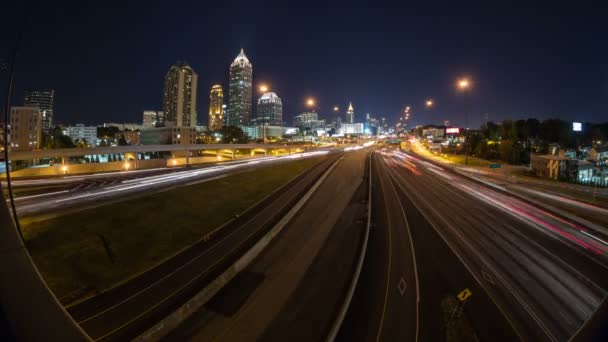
[(495, 166), (464, 294)]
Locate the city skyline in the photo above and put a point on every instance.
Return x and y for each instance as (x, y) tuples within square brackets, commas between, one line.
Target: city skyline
[(527, 72)]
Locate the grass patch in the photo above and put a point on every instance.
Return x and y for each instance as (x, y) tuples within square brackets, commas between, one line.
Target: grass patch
[(473, 161), (69, 250)]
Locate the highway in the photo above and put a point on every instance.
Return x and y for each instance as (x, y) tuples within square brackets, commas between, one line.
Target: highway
[(293, 290), (386, 302), (545, 274), (129, 309), (87, 191)]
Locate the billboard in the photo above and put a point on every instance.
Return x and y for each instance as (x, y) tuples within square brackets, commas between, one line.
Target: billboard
[(577, 126), (452, 130)]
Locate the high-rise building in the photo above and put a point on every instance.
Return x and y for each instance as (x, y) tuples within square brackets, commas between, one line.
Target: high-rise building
[(350, 114), (43, 99), (270, 110), (216, 108), (25, 130), (239, 91), (180, 96)]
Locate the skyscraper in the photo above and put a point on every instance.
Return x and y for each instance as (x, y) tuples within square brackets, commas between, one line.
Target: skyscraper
[(43, 100), (216, 108), (239, 91), (179, 104), (350, 114), (270, 110)]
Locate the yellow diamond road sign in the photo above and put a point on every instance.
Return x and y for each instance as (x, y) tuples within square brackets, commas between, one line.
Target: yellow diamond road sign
[(464, 294)]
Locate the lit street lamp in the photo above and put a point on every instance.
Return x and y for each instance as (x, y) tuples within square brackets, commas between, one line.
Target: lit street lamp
[(310, 102), (263, 88), (463, 85), (429, 103)]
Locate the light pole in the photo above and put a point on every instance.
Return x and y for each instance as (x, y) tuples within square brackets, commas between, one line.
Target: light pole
[(310, 103), (336, 115), (263, 89), (464, 85)]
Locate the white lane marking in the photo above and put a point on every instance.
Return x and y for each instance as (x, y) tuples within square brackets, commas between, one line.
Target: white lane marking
[(40, 195), (401, 286), (594, 237)]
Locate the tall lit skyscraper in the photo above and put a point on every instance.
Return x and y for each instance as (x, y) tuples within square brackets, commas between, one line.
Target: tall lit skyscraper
[(180, 96), (350, 114), (216, 108), (239, 91), (43, 100), (270, 110)]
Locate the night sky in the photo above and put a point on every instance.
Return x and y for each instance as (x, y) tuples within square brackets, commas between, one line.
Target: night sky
[(108, 62)]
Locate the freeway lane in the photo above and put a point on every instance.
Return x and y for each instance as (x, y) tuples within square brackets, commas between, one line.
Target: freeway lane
[(126, 185), (295, 295), (534, 266), (386, 302), (127, 310)]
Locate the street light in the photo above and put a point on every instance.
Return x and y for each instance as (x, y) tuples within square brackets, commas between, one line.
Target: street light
[(263, 88), (429, 103), (310, 102), (463, 85)]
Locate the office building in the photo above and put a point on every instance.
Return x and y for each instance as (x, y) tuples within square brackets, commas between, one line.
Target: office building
[(152, 118), (216, 108), (265, 132), (350, 114), (353, 129), (304, 118), (270, 110), (43, 99), (82, 133), (124, 125), (168, 136), (179, 104), (25, 130), (239, 91)]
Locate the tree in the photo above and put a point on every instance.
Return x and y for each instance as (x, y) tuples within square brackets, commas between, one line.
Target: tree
[(122, 141), (107, 132), (233, 135)]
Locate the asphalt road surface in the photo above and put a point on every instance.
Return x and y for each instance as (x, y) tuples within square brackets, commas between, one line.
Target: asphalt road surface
[(129, 309), (545, 274), (80, 192), (291, 292)]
